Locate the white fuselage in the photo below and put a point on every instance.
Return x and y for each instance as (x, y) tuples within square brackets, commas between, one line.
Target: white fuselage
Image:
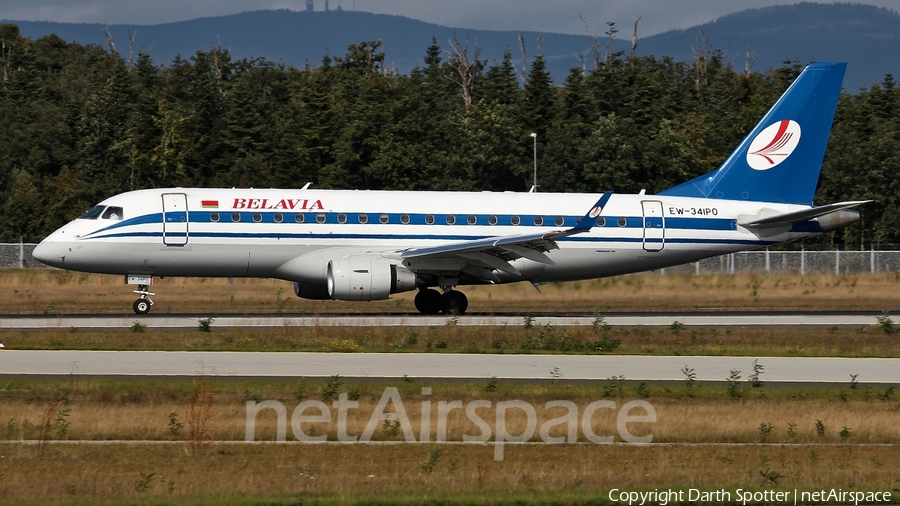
[(293, 234)]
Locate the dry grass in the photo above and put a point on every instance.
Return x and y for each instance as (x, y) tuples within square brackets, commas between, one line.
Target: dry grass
[(54, 291), (669, 340), (353, 474), (142, 473), (678, 421), (100, 410)]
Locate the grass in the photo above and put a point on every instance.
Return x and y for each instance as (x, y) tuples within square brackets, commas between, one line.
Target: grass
[(687, 450), (870, 341), (815, 438), (356, 474), (52, 291), (82, 409)]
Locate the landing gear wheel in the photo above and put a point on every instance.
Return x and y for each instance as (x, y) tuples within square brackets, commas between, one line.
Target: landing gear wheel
[(428, 301), (454, 302), (141, 306)]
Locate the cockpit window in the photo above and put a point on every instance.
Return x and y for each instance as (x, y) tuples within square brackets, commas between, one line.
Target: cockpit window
[(93, 213), (113, 213)]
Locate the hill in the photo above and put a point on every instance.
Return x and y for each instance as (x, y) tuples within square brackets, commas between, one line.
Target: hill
[(296, 38), (866, 36)]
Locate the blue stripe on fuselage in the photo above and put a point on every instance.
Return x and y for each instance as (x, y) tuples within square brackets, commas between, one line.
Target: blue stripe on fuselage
[(408, 237), (331, 218)]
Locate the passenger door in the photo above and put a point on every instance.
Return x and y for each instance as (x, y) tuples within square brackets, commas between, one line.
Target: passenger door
[(175, 219), (654, 225)]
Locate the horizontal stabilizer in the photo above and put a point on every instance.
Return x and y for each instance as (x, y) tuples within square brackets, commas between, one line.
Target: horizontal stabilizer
[(800, 216)]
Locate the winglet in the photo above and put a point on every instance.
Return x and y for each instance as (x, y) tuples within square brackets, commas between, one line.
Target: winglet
[(590, 218)]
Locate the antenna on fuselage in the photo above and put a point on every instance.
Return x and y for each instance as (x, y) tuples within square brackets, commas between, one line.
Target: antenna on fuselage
[(306, 186)]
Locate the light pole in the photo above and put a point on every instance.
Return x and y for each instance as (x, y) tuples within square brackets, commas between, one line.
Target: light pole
[(534, 188)]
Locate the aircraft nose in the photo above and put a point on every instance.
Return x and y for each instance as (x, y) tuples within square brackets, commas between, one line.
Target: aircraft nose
[(47, 253), (40, 252)]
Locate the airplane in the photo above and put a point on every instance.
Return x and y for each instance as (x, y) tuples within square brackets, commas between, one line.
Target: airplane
[(367, 245)]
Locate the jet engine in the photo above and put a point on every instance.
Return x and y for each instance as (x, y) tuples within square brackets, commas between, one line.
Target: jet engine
[(311, 291), (362, 277)]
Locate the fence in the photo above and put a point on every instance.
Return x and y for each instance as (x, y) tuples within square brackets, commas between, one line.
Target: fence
[(802, 262), (18, 255)]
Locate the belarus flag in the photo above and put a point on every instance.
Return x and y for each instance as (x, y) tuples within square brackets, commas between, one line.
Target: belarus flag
[(210, 204)]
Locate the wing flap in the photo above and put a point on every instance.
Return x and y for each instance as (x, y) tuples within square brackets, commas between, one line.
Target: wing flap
[(529, 253), (492, 262)]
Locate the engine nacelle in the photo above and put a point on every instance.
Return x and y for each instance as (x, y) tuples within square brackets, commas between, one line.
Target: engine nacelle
[(310, 291), (838, 219), (362, 277)]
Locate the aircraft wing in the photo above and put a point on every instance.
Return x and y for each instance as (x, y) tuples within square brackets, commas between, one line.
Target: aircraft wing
[(482, 256), (800, 216)]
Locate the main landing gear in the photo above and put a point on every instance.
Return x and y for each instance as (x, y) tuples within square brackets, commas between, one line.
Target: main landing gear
[(431, 301), (143, 304)]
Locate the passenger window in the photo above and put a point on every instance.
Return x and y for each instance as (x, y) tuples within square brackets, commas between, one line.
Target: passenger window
[(235, 217), (113, 213), (472, 220), (515, 220), (213, 217), (363, 218), (384, 218), (279, 217), (92, 213), (451, 220), (298, 217), (492, 220), (404, 219), (342, 218), (257, 217), (320, 217), (538, 220), (429, 219), (601, 221), (622, 222), (559, 221)]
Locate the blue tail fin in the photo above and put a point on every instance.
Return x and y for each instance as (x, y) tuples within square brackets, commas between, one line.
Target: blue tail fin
[(780, 160)]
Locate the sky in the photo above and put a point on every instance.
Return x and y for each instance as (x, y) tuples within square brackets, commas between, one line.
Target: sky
[(560, 16)]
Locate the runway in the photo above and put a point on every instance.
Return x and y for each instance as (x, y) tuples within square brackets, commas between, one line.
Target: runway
[(439, 366), (164, 321)]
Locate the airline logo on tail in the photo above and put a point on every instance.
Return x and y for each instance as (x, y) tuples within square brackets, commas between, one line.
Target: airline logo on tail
[(773, 145)]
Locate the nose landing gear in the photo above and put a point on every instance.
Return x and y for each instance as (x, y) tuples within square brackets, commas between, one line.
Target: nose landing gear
[(143, 282), (143, 304)]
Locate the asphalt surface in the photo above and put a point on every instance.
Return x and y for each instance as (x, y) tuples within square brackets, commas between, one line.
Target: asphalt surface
[(165, 321), (438, 366)]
